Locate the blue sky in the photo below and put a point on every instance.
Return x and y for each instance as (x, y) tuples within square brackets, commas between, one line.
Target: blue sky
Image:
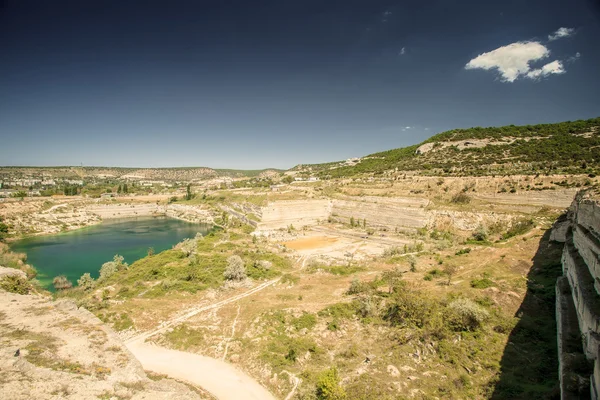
[(239, 84)]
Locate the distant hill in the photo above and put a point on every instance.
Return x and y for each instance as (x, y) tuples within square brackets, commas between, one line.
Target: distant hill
[(565, 147), (167, 174)]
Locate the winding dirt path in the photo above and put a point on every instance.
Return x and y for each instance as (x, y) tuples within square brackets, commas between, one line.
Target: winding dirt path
[(221, 379)]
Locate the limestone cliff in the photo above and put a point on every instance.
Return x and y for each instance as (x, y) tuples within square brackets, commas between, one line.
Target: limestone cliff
[(578, 298)]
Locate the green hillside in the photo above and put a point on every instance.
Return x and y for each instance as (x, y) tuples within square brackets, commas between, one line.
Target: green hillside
[(565, 147)]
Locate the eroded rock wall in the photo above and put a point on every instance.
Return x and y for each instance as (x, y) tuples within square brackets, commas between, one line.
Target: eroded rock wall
[(579, 290)]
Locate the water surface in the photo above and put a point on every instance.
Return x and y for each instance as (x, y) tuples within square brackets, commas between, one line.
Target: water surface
[(74, 253)]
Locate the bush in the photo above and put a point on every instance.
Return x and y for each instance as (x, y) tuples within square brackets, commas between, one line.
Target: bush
[(518, 228), (16, 284), (466, 250), (61, 283), (111, 267), (461, 198), (468, 315), (357, 287), (481, 283), (235, 271), (480, 234), (306, 320), (86, 282), (107, 270), (328, 387)]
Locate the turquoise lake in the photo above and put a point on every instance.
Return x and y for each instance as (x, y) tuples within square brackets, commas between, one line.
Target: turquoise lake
[(74, 253)]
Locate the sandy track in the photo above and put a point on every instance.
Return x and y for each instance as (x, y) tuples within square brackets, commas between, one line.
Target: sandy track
[(221, 379)]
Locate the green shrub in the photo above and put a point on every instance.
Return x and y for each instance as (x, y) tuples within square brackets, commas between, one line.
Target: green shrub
[(357, 287), (467, 315), (235, 271), (328, 386), (61, 283), (480, 234), (482, 283), (518, 228), (460, 252), (340, 310), (86, 282), (16, 284), (306, 320), (461, 198), (110, 268)]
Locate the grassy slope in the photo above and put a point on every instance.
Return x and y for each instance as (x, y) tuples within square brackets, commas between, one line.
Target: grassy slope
[(552, 147)]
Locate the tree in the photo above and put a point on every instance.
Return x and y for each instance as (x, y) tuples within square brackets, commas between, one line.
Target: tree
[(392, 277), (450, 270), (61, 283), (86, 282), (20, 194), (235, 271), (413, 263), (188, 194), (119, 189), (125, 189)]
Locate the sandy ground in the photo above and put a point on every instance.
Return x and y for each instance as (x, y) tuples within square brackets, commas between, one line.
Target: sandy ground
[(221, 379), (310, 243)]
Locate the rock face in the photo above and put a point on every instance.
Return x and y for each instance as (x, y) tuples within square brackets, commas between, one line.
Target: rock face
[(299, 213), (52, 350), (378, 212), (578, 298)]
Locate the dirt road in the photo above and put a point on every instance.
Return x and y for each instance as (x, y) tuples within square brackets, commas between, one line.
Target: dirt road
[(221, 379)]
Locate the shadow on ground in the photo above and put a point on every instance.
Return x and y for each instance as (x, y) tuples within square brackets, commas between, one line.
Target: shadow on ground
[(529, 365)]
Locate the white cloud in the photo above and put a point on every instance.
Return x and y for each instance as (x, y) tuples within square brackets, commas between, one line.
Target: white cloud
[(554, 67), (561, 33), (512, 61), (403, 51)]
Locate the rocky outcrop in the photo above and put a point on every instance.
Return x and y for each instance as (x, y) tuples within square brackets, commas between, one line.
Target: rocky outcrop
[(578, 298), (52, 350), (190, 213)]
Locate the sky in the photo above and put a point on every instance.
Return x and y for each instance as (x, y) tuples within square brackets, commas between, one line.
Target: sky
[(256, 84)]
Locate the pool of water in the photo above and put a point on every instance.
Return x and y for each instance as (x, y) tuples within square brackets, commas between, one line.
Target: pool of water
[(74, 253)]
